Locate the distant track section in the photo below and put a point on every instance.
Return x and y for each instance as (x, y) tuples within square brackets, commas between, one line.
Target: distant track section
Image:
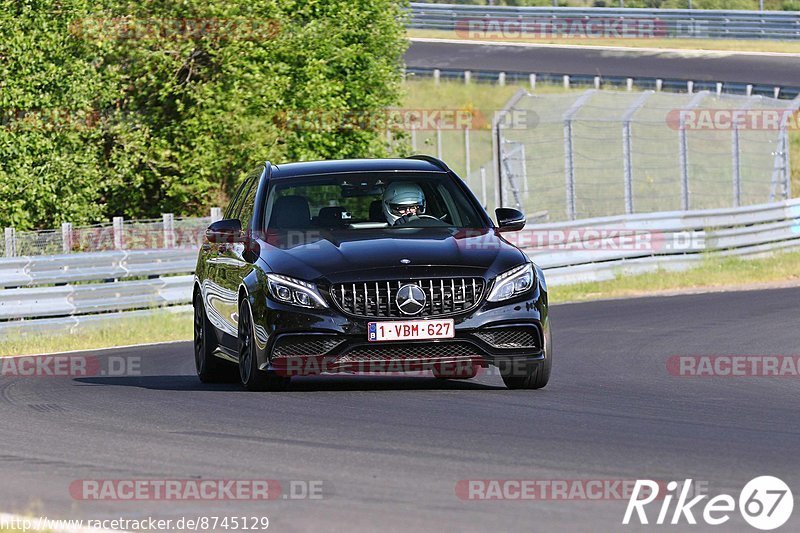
[(725, 67)]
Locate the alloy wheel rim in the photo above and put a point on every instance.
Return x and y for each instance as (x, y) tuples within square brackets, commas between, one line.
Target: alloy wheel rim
[(245, 349), (198, 337)]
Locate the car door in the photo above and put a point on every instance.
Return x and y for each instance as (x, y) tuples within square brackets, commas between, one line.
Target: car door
[(231, 263), (214, 285)]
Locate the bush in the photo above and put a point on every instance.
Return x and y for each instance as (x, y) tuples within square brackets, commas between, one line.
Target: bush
[(140, 108)]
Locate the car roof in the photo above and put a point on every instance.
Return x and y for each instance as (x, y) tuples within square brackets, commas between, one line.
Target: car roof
[(309, 168)]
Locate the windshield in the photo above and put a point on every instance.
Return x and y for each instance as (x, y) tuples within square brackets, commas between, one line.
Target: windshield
[(356, 201)]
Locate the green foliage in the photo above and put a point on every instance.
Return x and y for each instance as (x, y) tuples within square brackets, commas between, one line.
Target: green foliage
[(136, 108)]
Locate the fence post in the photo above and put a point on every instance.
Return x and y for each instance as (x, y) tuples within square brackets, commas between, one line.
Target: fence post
[(501, 79), (684, 150), (169, 229), (466, 153), (414, 137), (437, 74), (438, 140), (566, 81), (66, 237), (497, 145), (119, 239), (216, 214), (787, 166), (467, 76), (737, 167), (627, 157), (532, 80), (11, 242), (569, 156), (736, 157)]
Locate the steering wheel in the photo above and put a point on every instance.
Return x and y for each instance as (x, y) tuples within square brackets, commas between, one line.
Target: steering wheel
[(405, 219)]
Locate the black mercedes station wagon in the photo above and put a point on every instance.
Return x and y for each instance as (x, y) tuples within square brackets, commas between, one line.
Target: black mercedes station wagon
[(366, 266)]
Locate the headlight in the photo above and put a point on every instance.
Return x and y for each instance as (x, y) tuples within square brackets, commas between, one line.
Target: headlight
[(294, 291), (512, 283)]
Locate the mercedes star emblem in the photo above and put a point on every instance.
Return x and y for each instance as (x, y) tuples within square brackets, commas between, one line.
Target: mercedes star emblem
[(410, 299)]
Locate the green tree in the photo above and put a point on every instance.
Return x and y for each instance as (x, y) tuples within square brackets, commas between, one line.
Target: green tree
[(182, 98)]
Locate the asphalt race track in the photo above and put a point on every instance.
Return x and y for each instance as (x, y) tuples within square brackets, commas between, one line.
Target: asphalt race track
[(779, 70), (390, 450)]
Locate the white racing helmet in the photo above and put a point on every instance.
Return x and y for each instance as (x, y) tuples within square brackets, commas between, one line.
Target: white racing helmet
[(399, 196)]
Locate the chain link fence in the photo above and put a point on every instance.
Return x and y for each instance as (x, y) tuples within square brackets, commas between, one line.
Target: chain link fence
[(119, 234), (600, 153)]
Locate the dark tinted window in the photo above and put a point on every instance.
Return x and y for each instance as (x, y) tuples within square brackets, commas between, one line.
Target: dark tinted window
[(233, 205), (249, 183), (355, 201), (248, 202)]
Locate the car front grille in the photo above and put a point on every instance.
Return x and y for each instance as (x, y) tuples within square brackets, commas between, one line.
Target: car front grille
[(303, 345), (405, 352), (510, 337), (377, 299)]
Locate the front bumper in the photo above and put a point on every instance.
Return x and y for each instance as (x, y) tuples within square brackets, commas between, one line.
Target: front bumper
[(309, 342)]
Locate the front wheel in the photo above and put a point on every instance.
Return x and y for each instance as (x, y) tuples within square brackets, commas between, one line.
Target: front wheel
[(210, 369), (531, 376), (253, 378)]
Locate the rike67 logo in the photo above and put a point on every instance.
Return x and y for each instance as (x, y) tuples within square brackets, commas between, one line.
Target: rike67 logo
[(765, 503)]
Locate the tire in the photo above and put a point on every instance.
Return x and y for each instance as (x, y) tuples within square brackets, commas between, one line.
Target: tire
[(535, 376), (253, 378), (210, 369)]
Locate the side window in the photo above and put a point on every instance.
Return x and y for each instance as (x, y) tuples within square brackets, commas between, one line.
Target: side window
[(248, 184), (248, 204), (232, 206)]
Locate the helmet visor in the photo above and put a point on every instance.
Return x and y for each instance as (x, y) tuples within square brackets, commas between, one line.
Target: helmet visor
[(406, 209)]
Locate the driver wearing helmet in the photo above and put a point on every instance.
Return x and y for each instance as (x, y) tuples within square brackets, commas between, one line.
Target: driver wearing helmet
[(402, 200)]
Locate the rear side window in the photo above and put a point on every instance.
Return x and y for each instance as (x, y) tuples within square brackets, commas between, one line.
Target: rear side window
[(249, 200), (248, 185), (233, 206)]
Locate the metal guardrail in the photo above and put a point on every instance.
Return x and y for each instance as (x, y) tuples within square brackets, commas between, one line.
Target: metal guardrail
[(671, 241), (71, 268), (531, 79), (64, 292), (581, 22), (54, 293)]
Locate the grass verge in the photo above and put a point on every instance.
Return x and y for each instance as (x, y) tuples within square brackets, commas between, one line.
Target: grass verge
[(788, 47), (157, 327), (713, 274)]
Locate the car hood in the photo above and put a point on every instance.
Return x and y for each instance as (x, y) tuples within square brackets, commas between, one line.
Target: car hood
[(350, 255)]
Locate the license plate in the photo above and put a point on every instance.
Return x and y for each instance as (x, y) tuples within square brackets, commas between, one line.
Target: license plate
[(411, 330)]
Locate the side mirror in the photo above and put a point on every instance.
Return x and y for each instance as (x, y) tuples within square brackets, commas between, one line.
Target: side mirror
[(510, 219), (227, 230)]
